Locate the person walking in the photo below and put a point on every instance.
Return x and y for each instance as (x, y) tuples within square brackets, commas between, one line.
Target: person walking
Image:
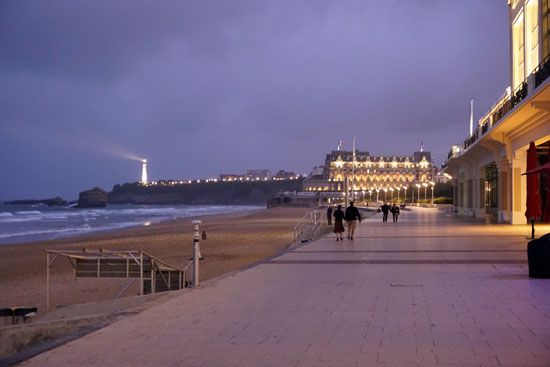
[(339, 223), (352, 216), (385, 209), (395, 212), (329, 215)]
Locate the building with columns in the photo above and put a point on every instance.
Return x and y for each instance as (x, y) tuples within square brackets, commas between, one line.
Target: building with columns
[(343, 171), (487, 166)]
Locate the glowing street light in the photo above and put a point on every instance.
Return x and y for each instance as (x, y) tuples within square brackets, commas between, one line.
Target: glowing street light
[(398, 189), (377, 191), (405, 193), (385, 194), (391, 190), (418, 196), (370, 195), (425, 187), (432, 184)]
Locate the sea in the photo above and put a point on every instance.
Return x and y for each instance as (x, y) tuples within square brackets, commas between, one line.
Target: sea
[(26, 223)]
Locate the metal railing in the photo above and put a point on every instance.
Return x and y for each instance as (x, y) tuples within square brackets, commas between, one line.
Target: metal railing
[(542, 72), (309, 227), (507, 103)]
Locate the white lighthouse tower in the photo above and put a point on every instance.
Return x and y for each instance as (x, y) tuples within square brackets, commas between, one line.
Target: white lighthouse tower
[(144, 172)]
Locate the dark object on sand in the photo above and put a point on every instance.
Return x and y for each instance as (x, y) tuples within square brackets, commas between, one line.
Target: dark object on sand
[(538, 256), (17, 314), (94, 198)]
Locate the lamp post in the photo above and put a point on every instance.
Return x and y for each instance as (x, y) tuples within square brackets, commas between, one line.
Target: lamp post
[(405, 194), (425, 187), (377, 191), (385, 194), (196, 253), (370, 195), (432, 184), (398, 188), (418, 196), (391, 190)]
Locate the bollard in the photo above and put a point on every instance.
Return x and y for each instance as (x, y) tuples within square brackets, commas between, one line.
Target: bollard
[(196, 252)]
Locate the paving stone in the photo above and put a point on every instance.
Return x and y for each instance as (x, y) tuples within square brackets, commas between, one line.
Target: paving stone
[(428, 291)]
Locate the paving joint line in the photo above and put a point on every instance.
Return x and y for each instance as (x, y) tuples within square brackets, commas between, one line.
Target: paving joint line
[(398, 251), (395, 262)]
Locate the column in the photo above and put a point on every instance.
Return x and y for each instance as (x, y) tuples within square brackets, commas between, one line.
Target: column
[(518, 191)]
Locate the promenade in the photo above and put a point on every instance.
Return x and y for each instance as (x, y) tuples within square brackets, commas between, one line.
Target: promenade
[(430, 290)]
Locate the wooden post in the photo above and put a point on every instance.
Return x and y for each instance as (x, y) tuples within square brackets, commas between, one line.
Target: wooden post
[(47, 281), (141, 273), (152, 276)]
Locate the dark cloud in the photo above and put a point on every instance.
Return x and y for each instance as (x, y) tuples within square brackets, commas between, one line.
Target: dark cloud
[(204, 87)]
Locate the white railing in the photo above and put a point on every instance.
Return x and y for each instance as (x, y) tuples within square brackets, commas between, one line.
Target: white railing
[(309, 227)]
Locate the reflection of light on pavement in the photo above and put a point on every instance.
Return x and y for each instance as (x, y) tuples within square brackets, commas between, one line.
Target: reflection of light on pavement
[(147, 223)]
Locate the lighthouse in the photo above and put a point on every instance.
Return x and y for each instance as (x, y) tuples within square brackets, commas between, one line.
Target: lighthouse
[(144, 172)]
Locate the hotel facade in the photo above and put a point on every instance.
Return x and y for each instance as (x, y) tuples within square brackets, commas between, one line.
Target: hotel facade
[(364, 173), (487, 166)]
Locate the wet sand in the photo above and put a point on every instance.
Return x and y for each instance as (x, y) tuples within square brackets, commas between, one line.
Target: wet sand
[(234, 241)]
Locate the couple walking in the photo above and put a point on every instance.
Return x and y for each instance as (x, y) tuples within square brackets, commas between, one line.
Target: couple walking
[(394, 209), (351, 216)]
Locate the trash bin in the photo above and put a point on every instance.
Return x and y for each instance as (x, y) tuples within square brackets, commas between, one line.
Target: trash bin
[(538, 256)]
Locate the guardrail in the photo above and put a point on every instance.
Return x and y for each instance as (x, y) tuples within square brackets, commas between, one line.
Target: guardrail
[(309, 227), (506, 104)]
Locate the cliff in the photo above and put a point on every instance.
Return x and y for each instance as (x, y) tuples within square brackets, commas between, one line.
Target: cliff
[(242, 193), (94, 198)]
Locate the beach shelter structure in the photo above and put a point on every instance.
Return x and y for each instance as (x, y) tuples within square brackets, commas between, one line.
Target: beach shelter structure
[(533, 202), (154, 274)]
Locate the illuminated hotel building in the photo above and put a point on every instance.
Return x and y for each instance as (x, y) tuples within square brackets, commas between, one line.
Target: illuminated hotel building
[(487, 166), (343, 171)]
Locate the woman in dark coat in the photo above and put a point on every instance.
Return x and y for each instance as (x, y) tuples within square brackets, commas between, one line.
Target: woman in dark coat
[(339, 223)]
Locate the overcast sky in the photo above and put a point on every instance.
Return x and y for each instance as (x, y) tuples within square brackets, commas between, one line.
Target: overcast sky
[(207, 87)]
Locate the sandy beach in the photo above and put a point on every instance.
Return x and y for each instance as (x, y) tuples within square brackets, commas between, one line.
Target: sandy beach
[(234, 241)]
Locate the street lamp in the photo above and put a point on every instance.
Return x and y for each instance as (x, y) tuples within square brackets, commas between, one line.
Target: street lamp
[(385, 194), (377, 191), (391, 190), (418, 196), (398, 189), (370, 195), (432, 184), (425, 187), (405, 193)]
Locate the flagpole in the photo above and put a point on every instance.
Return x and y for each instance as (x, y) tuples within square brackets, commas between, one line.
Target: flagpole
[(353, 172), (471, 117)]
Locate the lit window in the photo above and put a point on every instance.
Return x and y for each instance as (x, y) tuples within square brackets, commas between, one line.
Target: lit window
[(518, 56), (531, 36)]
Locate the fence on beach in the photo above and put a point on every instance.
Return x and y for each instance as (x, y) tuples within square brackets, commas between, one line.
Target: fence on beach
[(309, 227)]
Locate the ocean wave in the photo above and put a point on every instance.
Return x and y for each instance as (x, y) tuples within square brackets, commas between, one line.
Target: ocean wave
[(29, 212), (51, 223), (16, 219), (68, 231), (44, 231)]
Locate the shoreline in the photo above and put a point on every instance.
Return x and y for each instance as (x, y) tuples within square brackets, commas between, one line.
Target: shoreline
[(234, 240), (137, 224)]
